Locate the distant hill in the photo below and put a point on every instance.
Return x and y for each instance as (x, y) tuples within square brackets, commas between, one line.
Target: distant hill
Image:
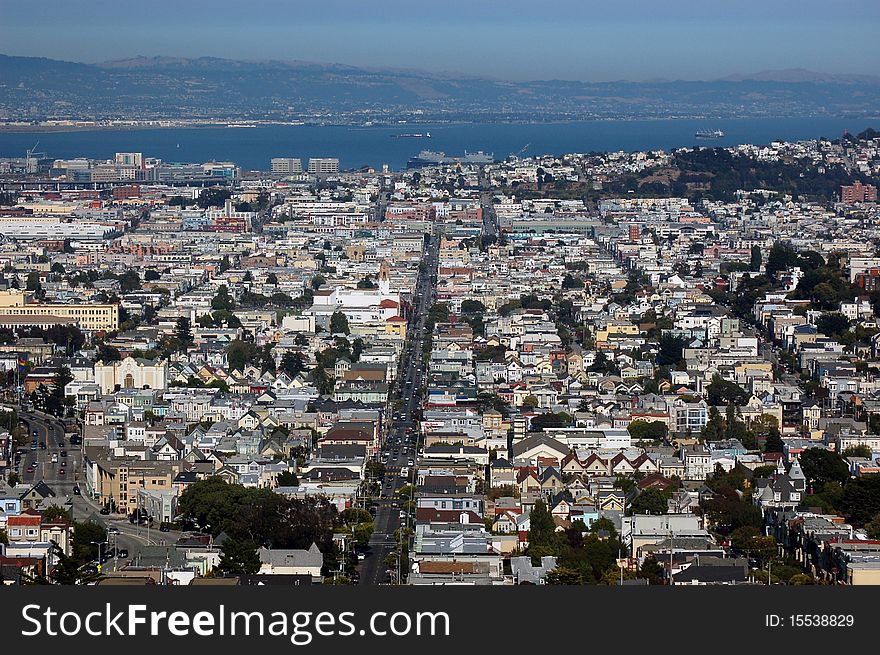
[(170, 87), (802, 75)]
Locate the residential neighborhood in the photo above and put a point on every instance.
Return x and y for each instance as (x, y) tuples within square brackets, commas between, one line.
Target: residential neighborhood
[(599, 368)]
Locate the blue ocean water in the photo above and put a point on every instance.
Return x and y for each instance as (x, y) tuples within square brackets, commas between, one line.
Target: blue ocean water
[(252, 148)]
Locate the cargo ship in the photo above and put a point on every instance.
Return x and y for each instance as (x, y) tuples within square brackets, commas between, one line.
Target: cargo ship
[(709, 134), (426, 135), (432, 158)]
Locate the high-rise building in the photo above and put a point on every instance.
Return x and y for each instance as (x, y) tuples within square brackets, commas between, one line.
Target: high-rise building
[(858, 192), (286, 165), (135, 159), (321, 165), (634, 232)]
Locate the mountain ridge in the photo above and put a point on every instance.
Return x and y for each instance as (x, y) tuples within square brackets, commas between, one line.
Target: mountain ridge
[(37, 88)]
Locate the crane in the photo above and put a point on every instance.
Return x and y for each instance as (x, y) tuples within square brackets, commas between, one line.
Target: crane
[(515, 155)]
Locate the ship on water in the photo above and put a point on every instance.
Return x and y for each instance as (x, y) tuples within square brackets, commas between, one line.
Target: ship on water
[(426, 135), (709, 134), (434, 158)]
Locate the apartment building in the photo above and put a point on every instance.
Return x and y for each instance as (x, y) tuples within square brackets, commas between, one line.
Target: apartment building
[(90, 318)]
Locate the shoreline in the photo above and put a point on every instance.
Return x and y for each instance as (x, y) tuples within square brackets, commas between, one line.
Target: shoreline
[(62, 129)]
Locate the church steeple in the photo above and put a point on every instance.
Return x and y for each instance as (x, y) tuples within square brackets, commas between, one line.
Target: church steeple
[(384, 279)]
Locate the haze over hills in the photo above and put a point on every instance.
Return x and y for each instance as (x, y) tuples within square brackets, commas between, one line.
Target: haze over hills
[(209, 88)]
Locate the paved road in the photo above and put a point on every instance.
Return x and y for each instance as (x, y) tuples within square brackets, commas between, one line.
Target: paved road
[(66, 473), (400, 450)]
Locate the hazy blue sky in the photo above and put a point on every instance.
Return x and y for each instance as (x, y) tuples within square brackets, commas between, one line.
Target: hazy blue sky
[(513, 39)]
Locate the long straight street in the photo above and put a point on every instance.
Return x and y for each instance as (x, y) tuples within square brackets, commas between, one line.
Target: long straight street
[(400, 450)]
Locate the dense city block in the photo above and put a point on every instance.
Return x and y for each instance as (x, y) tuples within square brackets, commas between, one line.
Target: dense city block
[(619, 368)]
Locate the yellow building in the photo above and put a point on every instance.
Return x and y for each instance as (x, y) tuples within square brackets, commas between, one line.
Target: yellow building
[(89, 317), (118, 481), (396, 325)]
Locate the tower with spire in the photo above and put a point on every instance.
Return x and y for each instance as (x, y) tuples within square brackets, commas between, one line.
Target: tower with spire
[(384, 279)]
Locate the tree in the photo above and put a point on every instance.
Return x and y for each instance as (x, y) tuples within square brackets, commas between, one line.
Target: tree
[(548, 420), (571, 282), (642, 430), (472, 307), (872, 527), (33, 282), (542, 529), (318, 281), (715, 427), (223, 300), (129, 281), (821, 466), (323, 381), (727, 511), (213, 197), (671, 348), (239, 556), (86, 536), (241, 353), (339, 323), (107, 353), (651, 570), (860, 500), (563, 575), (183, 331), (833, 324), (859, 450), (4, 538), (529, 403), (293, 363), (272, 279), (286, 479), (603, 524), (781, 257), (650, 501), (774, 443), (755, 259), (55, 402), (53, 512), (69, 571), (723, 392)]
